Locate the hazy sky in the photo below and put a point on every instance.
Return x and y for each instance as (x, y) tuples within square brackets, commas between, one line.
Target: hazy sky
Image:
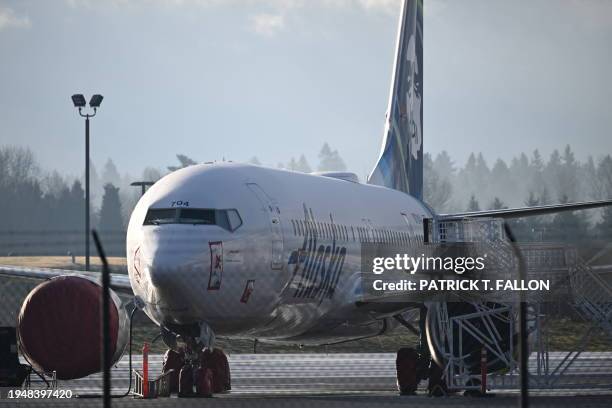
[(276, 78)]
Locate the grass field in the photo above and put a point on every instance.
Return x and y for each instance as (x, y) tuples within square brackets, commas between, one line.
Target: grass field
[(564, 336), (117, 264)]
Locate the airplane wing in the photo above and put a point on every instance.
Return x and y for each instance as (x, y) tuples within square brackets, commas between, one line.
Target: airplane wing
[(527, 211), (119, 282)]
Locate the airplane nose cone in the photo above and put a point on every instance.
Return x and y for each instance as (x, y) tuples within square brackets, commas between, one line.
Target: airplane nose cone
[(175, 260), (161, 271)]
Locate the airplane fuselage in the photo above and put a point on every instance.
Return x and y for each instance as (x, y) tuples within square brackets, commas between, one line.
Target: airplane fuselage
[(263, 253)]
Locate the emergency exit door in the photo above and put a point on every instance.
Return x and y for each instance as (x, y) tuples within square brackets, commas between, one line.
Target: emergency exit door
[(270, 206)]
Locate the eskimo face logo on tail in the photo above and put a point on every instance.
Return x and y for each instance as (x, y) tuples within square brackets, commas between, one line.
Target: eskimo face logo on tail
[(413, 98), (316, 266)]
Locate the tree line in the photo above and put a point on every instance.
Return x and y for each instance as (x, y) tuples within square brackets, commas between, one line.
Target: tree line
[(526, 181), (43, 213), (41, 210)]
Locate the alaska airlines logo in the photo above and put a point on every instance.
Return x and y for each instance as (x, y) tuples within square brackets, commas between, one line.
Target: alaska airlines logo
[(316, 266)]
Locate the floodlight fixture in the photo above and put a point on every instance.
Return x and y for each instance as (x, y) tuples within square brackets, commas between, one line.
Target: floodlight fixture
[(95, 101), (78, 100)]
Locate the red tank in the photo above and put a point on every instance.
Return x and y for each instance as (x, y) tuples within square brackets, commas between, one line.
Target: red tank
[(59, 327)]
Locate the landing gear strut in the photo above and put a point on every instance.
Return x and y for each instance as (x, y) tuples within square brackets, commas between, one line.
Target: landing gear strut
[(198, 369), (414, 365)]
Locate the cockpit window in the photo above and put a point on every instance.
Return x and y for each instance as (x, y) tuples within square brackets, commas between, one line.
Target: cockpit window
[(196, 216), (160, 216), (234, 220), (226, 219)]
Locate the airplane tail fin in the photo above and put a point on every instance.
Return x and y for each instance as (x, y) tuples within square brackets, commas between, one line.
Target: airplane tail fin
[(400, 165)]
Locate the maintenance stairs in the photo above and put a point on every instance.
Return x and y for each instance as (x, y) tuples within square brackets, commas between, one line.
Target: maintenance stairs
[(592, 294), (572, 281)]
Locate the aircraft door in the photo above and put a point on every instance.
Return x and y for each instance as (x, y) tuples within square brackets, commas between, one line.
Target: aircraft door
[(271, 207)]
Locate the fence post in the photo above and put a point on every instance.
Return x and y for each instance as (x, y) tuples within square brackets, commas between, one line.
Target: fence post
[(145, 370)]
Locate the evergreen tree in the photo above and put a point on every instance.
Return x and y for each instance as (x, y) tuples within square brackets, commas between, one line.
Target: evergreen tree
[(528, 228), (482, 171), (473, 204), (518, 172), (569, 226), (110, 174), (254, 160), (544, 198), (553, 175), (497, 204), (536, 182), (568, 178), (302, 165), (151, 174), (466, 180), (437, 191), (603, 190), (501, 180), (604, 171), (470, 165), (53, 184), (292, 165), (588, 172), (330, 160), (536, 163), (110, 212), (604, 227), (76, 209), (444, 165), (604, 178), (532, 201)]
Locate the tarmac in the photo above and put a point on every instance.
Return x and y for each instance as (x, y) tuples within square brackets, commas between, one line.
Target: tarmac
[(339, 380)]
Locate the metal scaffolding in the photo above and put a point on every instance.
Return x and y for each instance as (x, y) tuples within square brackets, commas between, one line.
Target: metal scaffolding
[(573, 281)]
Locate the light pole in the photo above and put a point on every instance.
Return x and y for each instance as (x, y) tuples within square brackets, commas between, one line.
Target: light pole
[(79, 102)]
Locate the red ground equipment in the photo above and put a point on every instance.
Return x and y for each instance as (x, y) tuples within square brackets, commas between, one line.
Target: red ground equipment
[(173, 361), (59, 327), (204, 382), (217, 362)]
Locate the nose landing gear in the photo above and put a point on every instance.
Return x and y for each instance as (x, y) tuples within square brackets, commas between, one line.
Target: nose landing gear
[(198, 369)]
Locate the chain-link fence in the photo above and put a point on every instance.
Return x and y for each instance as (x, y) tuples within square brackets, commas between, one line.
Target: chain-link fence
[(474, 345)]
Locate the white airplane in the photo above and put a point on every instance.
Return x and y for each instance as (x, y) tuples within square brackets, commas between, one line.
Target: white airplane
[(243, 251)]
